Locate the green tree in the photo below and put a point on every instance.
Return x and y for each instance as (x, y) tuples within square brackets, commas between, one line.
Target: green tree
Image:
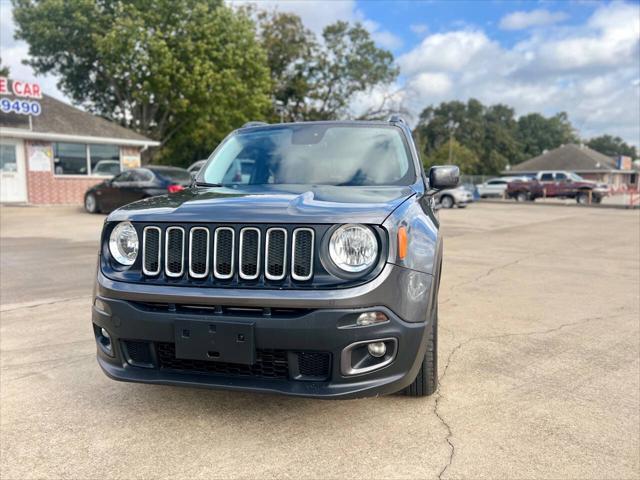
[(612, 146), (349, 63), (461, 156), (291, 51), (4, 70), (183, 72), (537, 133), (489, 132), (318, 80)]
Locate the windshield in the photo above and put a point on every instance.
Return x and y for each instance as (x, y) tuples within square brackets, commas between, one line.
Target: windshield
[(575, 176), (316, 154)]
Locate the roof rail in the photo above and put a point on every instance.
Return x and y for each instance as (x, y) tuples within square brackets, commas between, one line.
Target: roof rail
[(396, 118), (254, 124)]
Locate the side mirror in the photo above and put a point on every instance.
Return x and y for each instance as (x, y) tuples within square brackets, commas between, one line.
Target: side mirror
[(443, 177)]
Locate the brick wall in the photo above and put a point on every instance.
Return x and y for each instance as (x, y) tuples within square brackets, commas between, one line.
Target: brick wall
[(45, 188)]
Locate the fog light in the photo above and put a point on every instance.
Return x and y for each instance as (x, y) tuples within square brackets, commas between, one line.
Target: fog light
[(377, 349), (371, 318), (104, 339)]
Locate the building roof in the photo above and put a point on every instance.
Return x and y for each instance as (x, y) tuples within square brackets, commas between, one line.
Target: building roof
[(571, 157), (60, 121)]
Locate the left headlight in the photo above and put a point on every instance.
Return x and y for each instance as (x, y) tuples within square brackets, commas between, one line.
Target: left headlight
[(123, 243), (353, 248)]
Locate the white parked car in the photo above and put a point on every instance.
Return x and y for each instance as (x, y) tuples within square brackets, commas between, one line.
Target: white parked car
[(495, 187), (459, 196)]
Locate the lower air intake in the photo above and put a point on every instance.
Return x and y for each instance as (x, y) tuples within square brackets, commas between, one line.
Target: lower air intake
[(269, 364)]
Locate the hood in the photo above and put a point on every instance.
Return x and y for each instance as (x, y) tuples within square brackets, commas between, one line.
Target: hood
[(269, 204)]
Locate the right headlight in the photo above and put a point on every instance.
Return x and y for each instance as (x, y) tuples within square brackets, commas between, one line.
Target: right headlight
[(353, 248), (123, 243)]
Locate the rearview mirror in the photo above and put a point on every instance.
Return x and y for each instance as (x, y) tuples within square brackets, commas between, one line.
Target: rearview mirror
[(443, 177)]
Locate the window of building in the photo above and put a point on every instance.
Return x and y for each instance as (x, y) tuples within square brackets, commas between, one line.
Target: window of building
[(8, 162), (105, 159), (70, 159), (82, 159)]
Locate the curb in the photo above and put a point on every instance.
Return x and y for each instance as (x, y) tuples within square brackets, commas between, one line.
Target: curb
[(572, 205)]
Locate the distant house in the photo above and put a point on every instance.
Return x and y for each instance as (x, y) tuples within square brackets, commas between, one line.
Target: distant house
[(51, 152), (582, 160)]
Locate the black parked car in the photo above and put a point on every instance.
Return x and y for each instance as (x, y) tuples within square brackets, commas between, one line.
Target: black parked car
[(305, 259), (135, 184)]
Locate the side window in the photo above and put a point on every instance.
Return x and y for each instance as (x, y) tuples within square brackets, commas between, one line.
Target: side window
[(546, 177), (144, 176), (561, 176), (126, 176), (497, 182)]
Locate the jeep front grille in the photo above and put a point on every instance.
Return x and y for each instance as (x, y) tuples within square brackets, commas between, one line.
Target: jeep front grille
[(225, 253)]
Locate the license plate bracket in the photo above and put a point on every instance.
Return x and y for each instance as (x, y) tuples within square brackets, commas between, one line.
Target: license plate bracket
[(215, 340)]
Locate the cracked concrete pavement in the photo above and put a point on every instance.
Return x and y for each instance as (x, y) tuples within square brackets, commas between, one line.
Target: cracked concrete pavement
[(539, 368)]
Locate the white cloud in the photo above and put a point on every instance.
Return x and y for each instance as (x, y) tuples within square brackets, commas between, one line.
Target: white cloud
[(15, 51), (430, 84), (590, 71), (316, 15), (386, 39), (534, 18), (419, 28)]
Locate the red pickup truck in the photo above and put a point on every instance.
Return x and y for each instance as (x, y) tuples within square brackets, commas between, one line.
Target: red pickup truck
[(557, 184)]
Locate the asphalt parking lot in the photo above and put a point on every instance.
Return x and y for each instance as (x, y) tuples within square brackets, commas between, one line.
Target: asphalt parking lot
[(539, 367)]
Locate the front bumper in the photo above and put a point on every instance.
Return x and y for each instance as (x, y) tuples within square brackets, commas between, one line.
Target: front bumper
[(313, 322)]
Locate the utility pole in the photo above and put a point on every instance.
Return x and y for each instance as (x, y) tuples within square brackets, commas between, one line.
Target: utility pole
[(452, 128)]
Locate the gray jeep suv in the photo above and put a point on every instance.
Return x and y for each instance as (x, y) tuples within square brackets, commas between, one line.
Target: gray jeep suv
[(304, 259)]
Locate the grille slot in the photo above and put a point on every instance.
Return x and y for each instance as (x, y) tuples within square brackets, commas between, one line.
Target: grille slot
[(199, 252), (275, 265), (269, 364), (249, 253), (302, 255), (174, 252), (151, 250), (223, 253), (314, 364)]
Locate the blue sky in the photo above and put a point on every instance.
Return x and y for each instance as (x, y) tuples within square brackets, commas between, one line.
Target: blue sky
[(437, 17), (578, 56)]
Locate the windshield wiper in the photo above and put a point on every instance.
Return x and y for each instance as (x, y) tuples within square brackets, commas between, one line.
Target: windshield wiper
[(205, 184)]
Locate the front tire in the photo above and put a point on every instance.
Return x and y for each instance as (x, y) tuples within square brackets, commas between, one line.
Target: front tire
[(91, 203), (446, 201), (426, 382), (582, 198), (522, 197)]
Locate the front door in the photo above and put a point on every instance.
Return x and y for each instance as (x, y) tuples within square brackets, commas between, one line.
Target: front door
[(13, 181)]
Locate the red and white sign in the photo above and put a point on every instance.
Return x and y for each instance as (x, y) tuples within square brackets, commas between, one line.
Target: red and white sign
[(19, 88)]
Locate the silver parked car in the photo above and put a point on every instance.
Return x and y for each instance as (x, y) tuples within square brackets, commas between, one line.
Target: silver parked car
[(459, 196), (195, 167)]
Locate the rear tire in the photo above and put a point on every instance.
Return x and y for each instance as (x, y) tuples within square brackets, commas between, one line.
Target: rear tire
[(522, 197), (426, 382), (91, 203), (447, 201)]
